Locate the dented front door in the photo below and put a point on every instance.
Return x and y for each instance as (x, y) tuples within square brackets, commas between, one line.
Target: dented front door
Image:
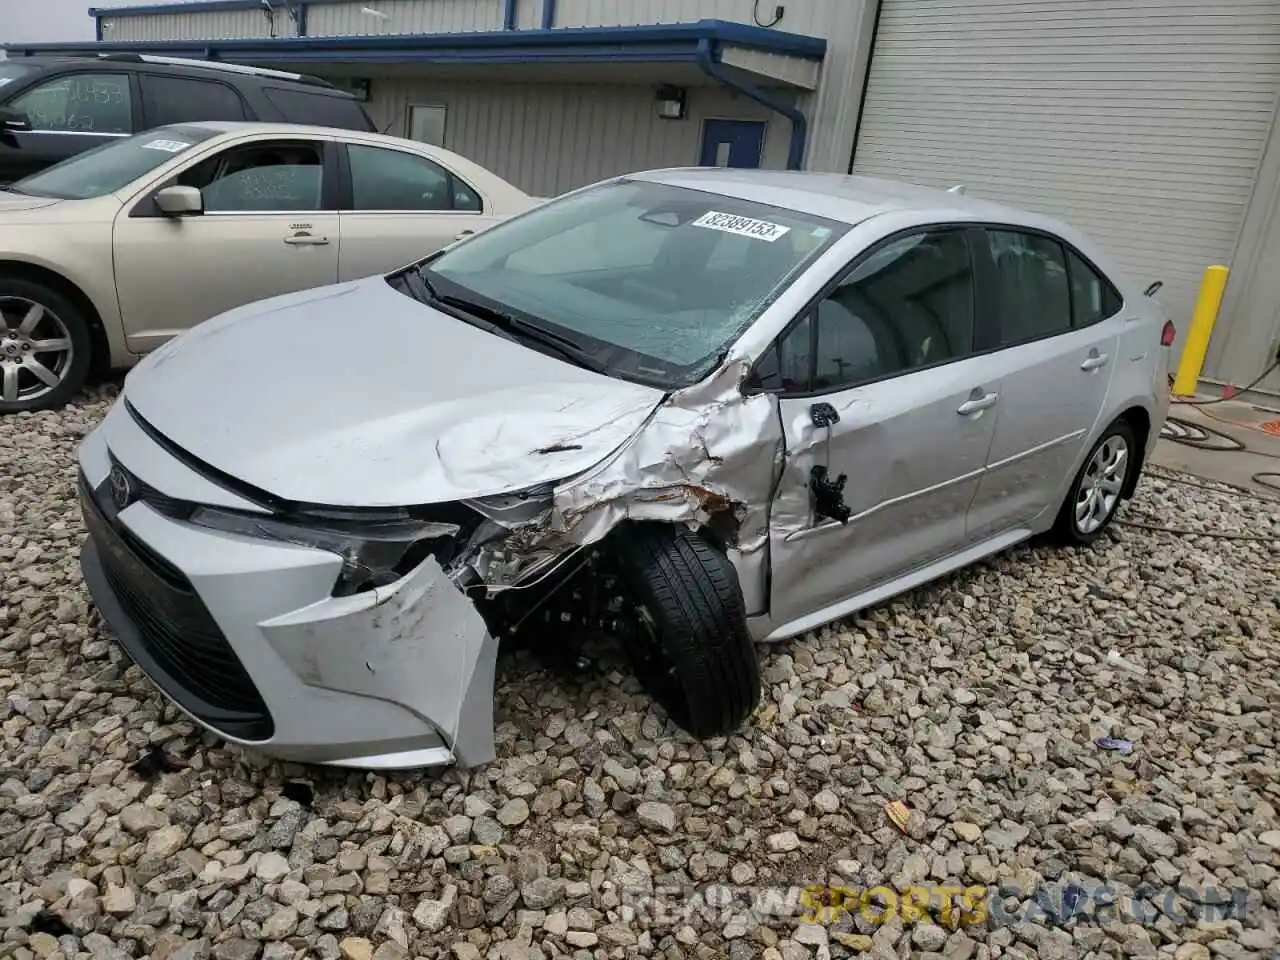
[(912, 461)]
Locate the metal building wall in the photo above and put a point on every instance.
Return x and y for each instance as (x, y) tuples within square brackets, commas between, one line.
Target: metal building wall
[(217, 25), (404, 16), (846, 25), (549, 138)]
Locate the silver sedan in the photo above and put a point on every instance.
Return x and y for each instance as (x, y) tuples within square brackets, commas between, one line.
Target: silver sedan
[(693, 409)]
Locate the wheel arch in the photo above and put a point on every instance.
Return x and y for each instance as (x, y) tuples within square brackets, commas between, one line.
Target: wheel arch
[(1139, 420), (100, 361)]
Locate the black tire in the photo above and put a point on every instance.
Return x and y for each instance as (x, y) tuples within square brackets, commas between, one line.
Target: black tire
[(698, 660), (64, 310), (1067, 529)]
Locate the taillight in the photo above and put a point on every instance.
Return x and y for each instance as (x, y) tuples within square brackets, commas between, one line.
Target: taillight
[(1168, 334)]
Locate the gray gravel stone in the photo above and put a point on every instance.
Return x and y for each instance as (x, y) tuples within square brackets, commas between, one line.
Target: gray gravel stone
[(977, 700)]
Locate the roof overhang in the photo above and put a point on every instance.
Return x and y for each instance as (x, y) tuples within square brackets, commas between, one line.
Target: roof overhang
[(766, 56)]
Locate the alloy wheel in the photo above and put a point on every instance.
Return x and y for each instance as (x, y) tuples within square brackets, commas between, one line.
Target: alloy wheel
[(35, 350), (1100, 487)]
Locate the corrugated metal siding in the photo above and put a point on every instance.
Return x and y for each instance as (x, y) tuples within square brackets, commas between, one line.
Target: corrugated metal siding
[(1140, 121), (846, 25), (404, 16), (218, 25), (789, 70), (547, 139)]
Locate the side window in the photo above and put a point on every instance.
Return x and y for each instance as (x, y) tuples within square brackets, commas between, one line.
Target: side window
[(393, 180), (320, 109), (1032, 290), (907, 305), (271, 177), (175, 99), (80, 103), (1092, 298)]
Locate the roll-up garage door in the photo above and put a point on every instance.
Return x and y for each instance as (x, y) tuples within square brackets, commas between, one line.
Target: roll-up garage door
[(1141, 122)]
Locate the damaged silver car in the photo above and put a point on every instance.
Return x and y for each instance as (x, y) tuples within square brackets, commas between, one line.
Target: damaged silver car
[(694, 409)]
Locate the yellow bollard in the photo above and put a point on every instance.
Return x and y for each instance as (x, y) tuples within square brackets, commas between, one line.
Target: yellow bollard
[(1202, 321)]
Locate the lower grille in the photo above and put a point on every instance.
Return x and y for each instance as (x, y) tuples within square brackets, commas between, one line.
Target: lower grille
[(170, 633)]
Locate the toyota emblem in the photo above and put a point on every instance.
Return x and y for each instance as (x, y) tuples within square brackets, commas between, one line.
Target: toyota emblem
[(121, 488)]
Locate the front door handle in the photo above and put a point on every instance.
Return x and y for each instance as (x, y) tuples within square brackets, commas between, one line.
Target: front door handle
[(1094, 361), (306, 240), (977, 404), (464, 233)]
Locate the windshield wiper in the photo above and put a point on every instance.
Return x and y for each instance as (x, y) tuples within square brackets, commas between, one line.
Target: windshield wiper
[(514, 327)]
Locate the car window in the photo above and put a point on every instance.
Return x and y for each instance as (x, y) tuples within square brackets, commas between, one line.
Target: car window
[(112, 165), (655, 281), (394, 180), (79, 103), (271, 177), (1092, 297), (318, 109), (174, 99), (10, 71), (906, 305), (1032, 291)]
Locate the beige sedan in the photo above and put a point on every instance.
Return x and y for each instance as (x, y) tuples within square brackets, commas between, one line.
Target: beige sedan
[(107, 255)]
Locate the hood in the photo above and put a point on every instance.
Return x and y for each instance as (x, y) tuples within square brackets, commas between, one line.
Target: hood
[(17, 202), (356, 395)]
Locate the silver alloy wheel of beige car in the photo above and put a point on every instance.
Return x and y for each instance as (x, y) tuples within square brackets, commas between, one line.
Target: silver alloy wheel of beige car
[(36, 349), (1099, 490)]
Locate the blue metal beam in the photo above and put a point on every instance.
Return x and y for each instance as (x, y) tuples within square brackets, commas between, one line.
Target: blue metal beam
[(548, 14), (799, 122), (509, 14), (531, 43)]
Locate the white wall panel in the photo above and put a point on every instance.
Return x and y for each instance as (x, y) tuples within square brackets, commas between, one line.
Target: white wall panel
[(1140, 121), (403, 16)]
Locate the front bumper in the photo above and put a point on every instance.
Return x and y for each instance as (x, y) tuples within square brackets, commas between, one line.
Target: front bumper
[(244, 636)]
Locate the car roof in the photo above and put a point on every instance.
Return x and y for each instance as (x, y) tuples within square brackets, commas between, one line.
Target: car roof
[(845, 198), (221, 127)]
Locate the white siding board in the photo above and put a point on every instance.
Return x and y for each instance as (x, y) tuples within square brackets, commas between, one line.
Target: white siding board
[(217, 25), (403, 16), (550, 138), (792, 71), (1141, 122)]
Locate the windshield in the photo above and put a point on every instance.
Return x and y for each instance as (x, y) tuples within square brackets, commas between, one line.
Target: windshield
[(11, 71), (653, 282), (111, 166)]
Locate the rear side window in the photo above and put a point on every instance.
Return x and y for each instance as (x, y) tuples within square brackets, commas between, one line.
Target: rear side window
[(1092, 298), (318, 109), (178, 99), (1031, 286)]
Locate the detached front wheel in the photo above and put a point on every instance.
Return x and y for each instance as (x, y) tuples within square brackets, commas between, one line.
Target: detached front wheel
[(692, 653)]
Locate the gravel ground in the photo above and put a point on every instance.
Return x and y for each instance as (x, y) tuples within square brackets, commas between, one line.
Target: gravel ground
[(601, 832)]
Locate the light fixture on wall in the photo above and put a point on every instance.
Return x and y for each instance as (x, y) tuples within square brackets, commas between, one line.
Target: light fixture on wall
[(671, 102), (378, 14)]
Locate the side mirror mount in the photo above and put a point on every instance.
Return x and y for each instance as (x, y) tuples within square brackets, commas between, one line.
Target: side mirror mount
[(14, 121), (180, 201)]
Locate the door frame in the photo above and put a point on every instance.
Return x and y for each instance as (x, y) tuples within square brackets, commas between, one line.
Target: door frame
[(762, 124)]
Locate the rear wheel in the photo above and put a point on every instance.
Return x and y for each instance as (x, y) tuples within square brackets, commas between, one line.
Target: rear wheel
[(692, 653), (45, 346), (1095, 494)]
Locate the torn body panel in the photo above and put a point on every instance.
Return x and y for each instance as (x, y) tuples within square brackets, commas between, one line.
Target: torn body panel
[(708, 457), (374, 645)]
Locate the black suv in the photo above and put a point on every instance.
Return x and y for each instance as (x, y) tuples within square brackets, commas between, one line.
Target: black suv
[(52, 108)]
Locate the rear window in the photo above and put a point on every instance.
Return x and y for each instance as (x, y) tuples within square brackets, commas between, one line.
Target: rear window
[(319, 109)]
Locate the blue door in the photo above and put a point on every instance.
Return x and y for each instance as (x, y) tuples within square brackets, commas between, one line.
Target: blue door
[(732, 143)]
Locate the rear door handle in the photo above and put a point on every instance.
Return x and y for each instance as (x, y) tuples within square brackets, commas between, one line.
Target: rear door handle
[(1094, 361), (306, 240), (464, 233), (977, 404)]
